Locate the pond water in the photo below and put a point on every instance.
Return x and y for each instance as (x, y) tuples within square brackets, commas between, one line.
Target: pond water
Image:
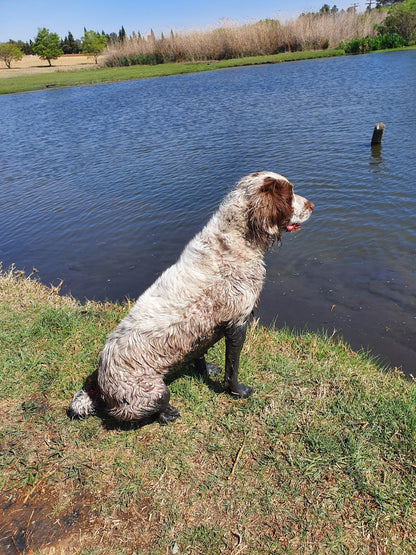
[(103, 186)]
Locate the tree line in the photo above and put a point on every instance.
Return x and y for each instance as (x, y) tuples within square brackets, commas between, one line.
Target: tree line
[(69, 44), (49, 46)]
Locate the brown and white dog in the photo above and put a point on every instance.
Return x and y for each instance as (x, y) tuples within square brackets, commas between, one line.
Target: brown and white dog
[(208, 294)]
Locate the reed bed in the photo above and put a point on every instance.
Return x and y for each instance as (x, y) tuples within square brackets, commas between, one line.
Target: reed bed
[(306, 32)]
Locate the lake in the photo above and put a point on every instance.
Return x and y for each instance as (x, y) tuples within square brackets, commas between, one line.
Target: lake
[(103, 186)]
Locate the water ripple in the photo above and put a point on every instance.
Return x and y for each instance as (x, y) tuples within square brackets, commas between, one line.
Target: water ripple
[(103, 186)]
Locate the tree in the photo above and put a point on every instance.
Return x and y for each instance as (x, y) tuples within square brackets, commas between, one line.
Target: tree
[(69, 45), (122, 34), (27, 47), (401, 19), (112, 38), (47, 45), (93, 44), (9, 52)]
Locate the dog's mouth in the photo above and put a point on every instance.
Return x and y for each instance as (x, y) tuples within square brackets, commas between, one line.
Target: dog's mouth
[(292, 227)]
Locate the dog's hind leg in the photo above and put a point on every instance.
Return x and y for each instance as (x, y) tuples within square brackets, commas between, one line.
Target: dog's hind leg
[(148, 397), (234, 341)]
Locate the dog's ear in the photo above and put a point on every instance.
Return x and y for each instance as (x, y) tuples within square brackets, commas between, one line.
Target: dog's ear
[(270, 208)]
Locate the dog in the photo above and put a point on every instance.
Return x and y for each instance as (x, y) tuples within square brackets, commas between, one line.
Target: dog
[(209, 293)]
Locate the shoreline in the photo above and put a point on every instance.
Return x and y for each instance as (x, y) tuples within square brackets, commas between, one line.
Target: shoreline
[(63, 78)]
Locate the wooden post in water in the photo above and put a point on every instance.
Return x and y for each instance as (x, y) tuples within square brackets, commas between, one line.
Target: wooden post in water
[(378, 133)]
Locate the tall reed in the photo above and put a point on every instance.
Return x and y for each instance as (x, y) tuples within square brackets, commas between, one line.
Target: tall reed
[(230, 40)]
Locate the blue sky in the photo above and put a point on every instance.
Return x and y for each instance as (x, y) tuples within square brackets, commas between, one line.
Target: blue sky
[(20, 19)]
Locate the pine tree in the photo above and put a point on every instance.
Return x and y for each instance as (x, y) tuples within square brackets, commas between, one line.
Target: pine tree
[(122, 34)]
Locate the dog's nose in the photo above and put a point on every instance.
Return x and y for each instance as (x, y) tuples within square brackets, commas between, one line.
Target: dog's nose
[(311, 205)]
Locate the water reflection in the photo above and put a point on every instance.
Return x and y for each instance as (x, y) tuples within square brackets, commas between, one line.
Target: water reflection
[(376, 159)]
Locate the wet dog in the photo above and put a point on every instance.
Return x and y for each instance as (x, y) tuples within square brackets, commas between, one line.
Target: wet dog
[(208, 294)]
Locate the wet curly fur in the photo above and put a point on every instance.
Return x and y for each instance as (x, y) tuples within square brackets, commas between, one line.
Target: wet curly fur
[(208, 294)]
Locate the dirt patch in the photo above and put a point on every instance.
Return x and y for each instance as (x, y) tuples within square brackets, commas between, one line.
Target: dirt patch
[(36, 525), (41, 526), (30, 65)]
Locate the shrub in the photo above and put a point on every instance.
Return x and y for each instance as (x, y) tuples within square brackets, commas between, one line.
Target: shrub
[(391, 40), (152, 58), (368, 44), (358, 46)]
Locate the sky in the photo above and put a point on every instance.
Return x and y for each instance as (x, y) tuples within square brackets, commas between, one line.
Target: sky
[(20, 19)]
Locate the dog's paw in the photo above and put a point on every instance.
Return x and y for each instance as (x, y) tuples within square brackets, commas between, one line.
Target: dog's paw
[(241, 391), (169, 414)]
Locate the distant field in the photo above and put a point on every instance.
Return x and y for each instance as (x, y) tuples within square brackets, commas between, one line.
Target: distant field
[(33, 65)]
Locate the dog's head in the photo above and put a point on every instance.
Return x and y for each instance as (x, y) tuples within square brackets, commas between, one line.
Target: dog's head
[(273, 207)]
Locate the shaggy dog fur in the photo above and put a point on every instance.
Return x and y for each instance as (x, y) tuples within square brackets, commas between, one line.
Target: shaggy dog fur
[(208, 294)]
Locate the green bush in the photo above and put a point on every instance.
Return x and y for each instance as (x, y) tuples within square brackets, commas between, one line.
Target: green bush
[(150, 59), (368, 44), (358, 46), (391, 40)]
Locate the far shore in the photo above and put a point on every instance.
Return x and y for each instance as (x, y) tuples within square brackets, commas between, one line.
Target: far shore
[(32, 73), (31, 65)]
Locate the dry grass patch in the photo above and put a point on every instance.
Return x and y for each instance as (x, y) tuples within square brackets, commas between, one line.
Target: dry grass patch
[(32, 65)]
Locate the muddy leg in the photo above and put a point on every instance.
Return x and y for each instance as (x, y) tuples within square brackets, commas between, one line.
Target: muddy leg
[(234, 341)]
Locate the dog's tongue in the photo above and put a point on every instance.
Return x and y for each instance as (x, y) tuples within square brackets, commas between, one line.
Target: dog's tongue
[(292, 227)]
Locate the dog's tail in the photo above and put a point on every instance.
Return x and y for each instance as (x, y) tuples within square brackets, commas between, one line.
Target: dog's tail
[(85, 401)]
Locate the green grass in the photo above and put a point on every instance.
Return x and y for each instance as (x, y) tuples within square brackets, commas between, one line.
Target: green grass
[(111, 75), (321, 459)]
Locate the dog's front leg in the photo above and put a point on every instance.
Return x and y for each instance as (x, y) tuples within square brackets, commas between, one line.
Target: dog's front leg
[(234, 341)]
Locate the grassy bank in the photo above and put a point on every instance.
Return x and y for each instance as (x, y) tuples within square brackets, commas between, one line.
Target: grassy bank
[(320, 459)]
